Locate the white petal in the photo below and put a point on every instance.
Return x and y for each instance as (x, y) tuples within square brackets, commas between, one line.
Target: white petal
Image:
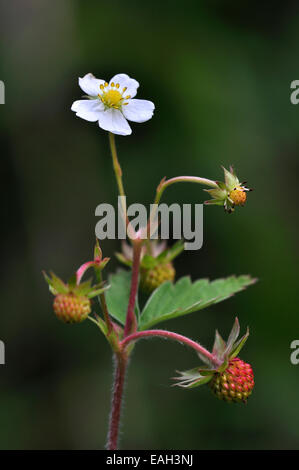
[(112, 120), (138, 110), (125, 81), (90, 85), (88, 109)]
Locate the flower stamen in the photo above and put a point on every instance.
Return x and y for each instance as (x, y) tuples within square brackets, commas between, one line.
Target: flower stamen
[(111, 98)]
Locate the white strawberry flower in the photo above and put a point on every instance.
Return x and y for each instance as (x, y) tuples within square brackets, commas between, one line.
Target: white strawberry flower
[(113, 103)]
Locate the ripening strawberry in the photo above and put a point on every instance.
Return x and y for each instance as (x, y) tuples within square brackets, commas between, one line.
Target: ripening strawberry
[(72, 299), (71, 308), (152, 278), (235, 384), (230, 378)]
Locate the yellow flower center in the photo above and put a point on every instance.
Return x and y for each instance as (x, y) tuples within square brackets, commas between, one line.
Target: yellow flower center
[(112, 97), (238, 196)]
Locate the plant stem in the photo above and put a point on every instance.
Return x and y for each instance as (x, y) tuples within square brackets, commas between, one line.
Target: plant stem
[(174, 336), (182, 179), (121, 362), (118, 176), (165, 183), (131, 323), (104, 303), (116, 165)]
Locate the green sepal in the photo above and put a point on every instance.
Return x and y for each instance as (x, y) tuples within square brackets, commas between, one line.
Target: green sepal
[(102, 264), (149, 262), (204, 359), (221, 184), (219, 345), (218, 193), (214, 202), (223, 366), (235, 331), (205, 371), (123, 259), (72, 281), (231, 180), (101, 324), (170, 253), (239, 345), (192, 378), (83, 288), (97, 290), (56, 285), (97, 254)]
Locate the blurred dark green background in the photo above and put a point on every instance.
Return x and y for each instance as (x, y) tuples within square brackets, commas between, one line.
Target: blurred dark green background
[(219, 73)]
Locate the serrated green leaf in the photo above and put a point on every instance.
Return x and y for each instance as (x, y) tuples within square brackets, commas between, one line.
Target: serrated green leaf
[(174, 300), (117, 297)]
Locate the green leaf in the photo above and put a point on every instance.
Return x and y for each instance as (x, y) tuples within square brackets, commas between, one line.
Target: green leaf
[(174, 300), (117, 297)]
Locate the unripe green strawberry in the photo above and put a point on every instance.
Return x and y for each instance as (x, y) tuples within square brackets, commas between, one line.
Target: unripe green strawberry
[(152, 278), (235, 383), (71, 308)]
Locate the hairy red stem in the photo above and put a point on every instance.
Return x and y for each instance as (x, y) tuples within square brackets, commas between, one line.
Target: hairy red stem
[(174, 336), (131, 323), (121, 362)]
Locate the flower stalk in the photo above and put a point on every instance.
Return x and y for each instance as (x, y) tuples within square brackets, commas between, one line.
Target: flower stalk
[(174, 336), (182, 179), (116, 165)]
